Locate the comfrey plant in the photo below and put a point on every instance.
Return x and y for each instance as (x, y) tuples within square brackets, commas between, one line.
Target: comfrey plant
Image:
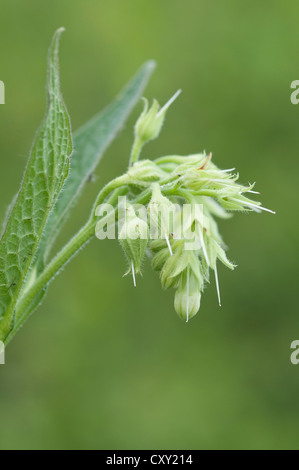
[(164, 209)]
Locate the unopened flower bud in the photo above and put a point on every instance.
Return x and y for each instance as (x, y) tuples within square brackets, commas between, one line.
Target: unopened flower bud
[(149, 125), (187, 296), (150, 122), (177, 264), (160, 259), (145, 171)]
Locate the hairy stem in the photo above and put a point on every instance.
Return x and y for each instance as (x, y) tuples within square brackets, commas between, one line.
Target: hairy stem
[(60, 260), (115, 190), (136, 150)]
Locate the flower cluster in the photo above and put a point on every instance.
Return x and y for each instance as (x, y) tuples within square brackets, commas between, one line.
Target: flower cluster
[(182, 197)]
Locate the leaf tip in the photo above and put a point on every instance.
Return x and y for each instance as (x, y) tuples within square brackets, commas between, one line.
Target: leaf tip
[(57, 35), (151, 65), (60, 30)]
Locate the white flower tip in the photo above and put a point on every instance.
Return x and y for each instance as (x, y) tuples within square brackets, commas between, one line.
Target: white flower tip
[(255, 207), (188, 277), (133, 274), (168, 245), (253, 192), (217, 286), (267, 210), (169, 102)]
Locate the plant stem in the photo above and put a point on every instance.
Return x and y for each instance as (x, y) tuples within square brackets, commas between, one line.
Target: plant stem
[(136, 150), (68, 252), (63, 257), (60, 260)]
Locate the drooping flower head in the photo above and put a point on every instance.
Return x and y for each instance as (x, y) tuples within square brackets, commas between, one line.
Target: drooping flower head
[(182, 196)]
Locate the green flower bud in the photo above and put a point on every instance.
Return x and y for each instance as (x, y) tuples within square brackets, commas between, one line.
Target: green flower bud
[(187, 296), (150, 122), (160, 259), (238, 202), (198, 179), (144, 172), (177, 264), (133, 238), (208, 180), (215, 252), (173, 267), (149, 125), (195, 163)]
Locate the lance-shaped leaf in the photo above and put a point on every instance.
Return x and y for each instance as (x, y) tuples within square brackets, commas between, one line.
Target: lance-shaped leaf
[(44, 178), (90, 142)]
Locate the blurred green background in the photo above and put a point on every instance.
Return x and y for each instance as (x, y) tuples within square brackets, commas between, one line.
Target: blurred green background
[(103, 365)]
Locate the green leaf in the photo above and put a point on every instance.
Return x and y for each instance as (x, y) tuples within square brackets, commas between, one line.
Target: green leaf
[(25, 313), (90, 142), (44, 178)]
